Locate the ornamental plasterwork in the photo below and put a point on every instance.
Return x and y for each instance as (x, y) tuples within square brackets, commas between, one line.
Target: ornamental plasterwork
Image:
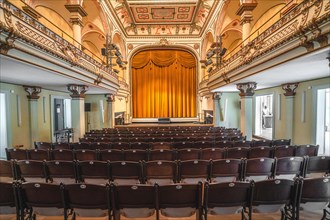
[(18, 25), (297, 23), (163, 18)]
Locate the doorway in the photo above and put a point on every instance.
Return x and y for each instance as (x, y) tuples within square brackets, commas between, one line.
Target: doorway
[(264, 116), (61, 115), (323, 121), (3, 126)]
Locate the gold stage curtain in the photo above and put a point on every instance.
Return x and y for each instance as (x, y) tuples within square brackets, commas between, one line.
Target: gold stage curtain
[(164, 84)]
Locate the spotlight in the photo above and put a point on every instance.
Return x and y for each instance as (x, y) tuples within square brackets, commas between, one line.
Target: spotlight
[(208, 62), (223, 51), (209, 69), (103, 51), (119, 61), (116, 71), (210, 54), (118, 54)]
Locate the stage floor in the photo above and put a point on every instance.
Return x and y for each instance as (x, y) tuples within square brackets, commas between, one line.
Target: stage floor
[(162, 125)]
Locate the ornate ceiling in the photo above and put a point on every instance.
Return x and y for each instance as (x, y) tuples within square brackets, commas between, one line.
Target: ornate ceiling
[(163, 17)]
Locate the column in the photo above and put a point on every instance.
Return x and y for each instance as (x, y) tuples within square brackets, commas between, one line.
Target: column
[(76, 14), (216, 114), (245, 11), (246, 94), (78, 110), (110, 100), (33, 97), (289, 94)]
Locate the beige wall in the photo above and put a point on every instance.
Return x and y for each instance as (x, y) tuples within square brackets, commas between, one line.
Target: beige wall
[(302, 131), (19, 134)]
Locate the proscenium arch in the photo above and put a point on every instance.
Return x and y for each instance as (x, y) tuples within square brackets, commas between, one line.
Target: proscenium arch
[(137, 50)]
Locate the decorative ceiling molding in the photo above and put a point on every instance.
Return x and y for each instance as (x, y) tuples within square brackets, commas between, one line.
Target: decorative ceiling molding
[(163, 18)]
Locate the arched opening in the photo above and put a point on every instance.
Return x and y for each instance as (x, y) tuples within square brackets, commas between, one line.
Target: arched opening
[(164, 84)]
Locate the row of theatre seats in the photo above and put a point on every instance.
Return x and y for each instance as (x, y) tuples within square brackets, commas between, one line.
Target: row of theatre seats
[(163, 172), (110, 201), (158, 145), (163, 154)]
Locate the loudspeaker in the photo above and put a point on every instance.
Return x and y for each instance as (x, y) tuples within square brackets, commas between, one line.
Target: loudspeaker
[(87, 107)]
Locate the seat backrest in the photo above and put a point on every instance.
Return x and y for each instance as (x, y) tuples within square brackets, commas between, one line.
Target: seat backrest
[(35, 154), (227, 170), (275, 193), (57, 171), (228, 194), (30, 170), (315, 190), (289, 167), (7, 197), (194, 170), (213, 153), (242, 144), (284, 151), (156, 170), (306, 150), (126, 170), (259, 167), (82, 155), (188, 154), (135, 155), (258, 143), (43, 145), (317, 164), (223, 144), (7, 173), (41, 195), (111, 155), (88, 196), (162, 154), (256, 152), (62, 154), (204, 144), (90, 170), (61, 145), (238, 152), (161, 145), (120, 145), (100, 145), (140, 145), (16, 154), (81, 146), (178, 196), (280, 142), (133, 197)]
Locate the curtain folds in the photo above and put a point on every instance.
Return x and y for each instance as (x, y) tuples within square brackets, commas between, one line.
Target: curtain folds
[(164, 84), (163, 58)]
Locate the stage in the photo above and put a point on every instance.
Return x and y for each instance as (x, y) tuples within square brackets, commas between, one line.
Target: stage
[(156, 122)]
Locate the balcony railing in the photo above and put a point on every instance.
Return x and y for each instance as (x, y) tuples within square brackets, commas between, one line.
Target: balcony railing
[(303, 24), (17, 25)]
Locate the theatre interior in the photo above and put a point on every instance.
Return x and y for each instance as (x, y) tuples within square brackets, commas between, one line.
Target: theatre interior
[(167, 109)]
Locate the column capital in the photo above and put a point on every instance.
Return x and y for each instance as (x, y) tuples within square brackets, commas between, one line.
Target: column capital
[(77, 8), (246, 89), (245, 11), (33, 92), (78, 91), (110, 97), (217, 95), (290, 88)]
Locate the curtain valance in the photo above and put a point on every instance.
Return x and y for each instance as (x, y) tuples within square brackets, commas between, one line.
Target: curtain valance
[(163, 58)]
